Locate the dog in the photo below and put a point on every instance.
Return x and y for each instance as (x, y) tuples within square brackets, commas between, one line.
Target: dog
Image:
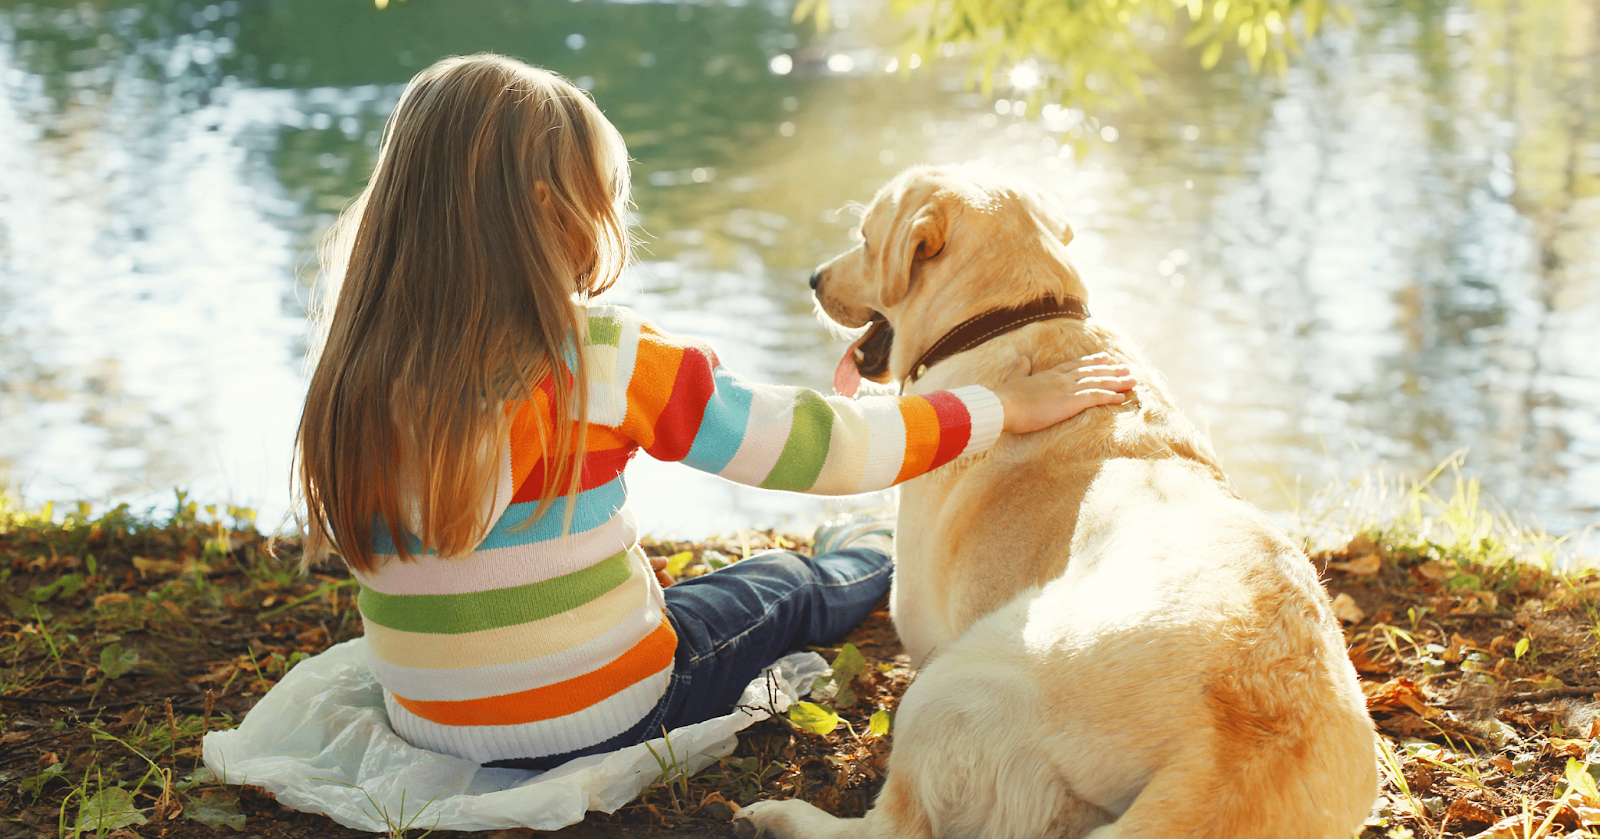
[(1111, 642)]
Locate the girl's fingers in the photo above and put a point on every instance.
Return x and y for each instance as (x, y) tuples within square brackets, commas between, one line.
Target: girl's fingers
[(1092, 398), (1103, 371), (1118, 383)]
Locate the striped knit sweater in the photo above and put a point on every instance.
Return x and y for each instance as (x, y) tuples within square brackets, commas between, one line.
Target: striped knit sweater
[(540, 643)]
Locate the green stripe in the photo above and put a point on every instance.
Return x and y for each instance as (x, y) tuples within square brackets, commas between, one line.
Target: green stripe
[(450, 614), (605, 331), (807, 448)]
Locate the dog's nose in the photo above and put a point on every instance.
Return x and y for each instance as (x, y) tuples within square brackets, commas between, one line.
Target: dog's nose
[(816, 278)]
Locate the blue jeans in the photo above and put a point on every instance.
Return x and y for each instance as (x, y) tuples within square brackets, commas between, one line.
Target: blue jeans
[(734, 621)]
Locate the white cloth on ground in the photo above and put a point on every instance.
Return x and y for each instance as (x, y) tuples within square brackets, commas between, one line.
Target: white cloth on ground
[(320, 742)]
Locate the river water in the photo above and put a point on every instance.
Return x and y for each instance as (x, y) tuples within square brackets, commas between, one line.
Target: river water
[(1386, 256)]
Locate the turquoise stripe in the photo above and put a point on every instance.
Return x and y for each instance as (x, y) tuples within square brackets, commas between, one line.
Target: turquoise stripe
[(591, 509), (722, 429), (451, 614)]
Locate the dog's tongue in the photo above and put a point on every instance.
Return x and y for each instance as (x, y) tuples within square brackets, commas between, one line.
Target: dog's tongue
[(847, 378)]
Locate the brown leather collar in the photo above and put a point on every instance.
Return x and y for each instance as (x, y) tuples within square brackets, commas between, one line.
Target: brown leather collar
[(993, 323)]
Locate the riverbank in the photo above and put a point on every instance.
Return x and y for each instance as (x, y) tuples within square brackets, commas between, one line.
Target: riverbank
[(123, 640)]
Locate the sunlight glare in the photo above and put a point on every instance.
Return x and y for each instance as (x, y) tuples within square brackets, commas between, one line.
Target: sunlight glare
[(1025, 76)]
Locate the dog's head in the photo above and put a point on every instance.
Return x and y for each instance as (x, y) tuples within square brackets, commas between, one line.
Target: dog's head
[(939, 244)]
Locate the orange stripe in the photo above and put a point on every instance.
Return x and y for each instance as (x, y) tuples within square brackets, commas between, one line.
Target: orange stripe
[(647, 658), (603, 438), (922, 437), (655, 368), (528, 427)]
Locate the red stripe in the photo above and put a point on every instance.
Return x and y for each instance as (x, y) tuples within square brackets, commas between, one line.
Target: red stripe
[(599, 468), (955, 426), (680, 417)]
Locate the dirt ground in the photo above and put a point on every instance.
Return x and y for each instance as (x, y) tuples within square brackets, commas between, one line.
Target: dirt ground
[(124, 641)]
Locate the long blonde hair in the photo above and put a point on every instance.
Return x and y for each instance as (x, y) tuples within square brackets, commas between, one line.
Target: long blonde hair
[(497, 207)]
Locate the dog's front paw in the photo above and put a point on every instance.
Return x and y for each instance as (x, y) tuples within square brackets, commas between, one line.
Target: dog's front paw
[(791, 819)]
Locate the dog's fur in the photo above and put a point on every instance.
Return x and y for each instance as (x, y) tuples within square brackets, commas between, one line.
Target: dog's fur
[(1112, 643)]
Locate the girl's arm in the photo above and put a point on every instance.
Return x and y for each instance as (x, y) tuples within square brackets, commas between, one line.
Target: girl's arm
[(681, 404)]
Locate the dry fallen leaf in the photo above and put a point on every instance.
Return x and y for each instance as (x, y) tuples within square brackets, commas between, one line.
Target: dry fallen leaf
[(1509, 827), (1362, 566), (1431, 571), (1365, 663), (1345, 607), (1587, 816), (1463, 809), (1568, 748), (1391, 697)]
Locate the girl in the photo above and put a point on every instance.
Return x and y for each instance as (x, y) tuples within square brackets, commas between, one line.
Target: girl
[(471, 414)]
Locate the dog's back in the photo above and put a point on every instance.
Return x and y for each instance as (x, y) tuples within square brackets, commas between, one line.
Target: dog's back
[(975, 533)]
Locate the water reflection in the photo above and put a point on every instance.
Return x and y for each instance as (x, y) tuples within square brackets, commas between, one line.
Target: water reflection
[(1383, 257)]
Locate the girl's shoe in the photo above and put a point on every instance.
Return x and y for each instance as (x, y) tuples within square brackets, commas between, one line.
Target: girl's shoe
[(855, 530)]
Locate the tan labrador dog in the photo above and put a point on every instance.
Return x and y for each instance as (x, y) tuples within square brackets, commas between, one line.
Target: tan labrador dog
[(1112, 642)]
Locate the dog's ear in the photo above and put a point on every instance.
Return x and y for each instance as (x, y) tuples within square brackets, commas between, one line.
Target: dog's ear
[(917, 235)]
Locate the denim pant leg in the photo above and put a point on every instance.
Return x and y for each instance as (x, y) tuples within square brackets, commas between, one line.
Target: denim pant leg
[(736, 620)]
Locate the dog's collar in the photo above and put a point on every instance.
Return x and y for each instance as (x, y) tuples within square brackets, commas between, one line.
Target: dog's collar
[(994, 323)]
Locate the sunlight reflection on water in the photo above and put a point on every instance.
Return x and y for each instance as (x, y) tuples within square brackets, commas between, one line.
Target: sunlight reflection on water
[(1363, 264)]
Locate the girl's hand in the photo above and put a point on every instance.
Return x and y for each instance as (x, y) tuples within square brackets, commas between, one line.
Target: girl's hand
[(659, 565), (1034, 401)]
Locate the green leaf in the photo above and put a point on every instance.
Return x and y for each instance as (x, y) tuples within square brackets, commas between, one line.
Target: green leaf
[(813, 8), (1578, 778), (881, 722), (1521, 649), (1313, 16), (295, 658), (65, 586), (115, 661), (1208, 59), (813, 718), (846, 667), (215, 811), (677, 562), (35, 785), (108, 810), (1257, 48), (848, 664)]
